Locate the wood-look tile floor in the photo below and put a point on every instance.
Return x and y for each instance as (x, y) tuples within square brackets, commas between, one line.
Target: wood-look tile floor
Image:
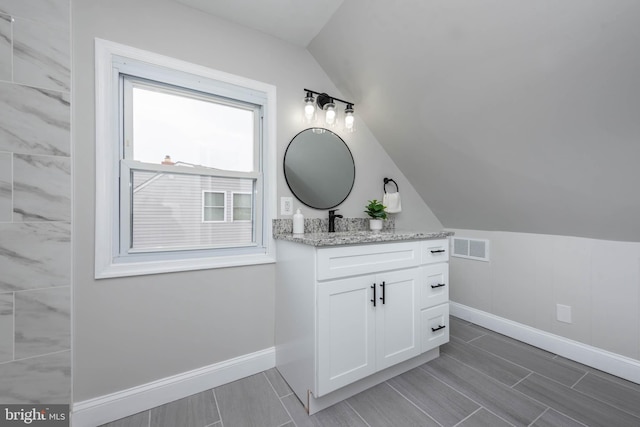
[(481, 379)]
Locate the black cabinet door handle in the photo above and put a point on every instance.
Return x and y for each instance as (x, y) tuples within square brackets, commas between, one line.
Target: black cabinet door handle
[(439, 285), (382, 286), (438, 328), (438, 251), (374, 294)]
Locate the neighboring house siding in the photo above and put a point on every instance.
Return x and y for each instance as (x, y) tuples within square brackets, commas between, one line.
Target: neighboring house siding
[(167, 212)]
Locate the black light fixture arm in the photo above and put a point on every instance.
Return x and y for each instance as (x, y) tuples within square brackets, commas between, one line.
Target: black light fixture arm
[(323, 96)]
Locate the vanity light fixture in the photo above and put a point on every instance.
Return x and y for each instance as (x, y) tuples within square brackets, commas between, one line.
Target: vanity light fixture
[(327, 104)]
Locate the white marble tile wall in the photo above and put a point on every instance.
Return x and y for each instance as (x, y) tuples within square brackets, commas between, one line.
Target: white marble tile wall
[(6, 327), (34, 255), (41, 188), (35, 201), (34, 120), (42, 321), (41, 54), (6, 186), (55, 12), (5, 47), (45, 379)]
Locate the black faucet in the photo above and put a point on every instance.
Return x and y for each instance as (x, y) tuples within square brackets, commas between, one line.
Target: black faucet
[(332, 220)]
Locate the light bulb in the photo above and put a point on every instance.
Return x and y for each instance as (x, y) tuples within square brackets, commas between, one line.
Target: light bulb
[(309, 108), (349, 119), (330, 115)]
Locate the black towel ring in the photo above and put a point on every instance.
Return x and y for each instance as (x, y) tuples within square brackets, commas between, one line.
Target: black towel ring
[(388, 180)]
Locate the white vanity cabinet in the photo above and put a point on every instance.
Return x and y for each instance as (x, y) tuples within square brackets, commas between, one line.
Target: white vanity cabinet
[(349, 317), (356, 338)]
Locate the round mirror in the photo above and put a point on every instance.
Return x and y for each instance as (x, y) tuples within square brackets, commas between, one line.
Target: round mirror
[(319, 168)]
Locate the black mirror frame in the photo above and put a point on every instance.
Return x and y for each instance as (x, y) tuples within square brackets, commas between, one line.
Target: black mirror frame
[(287, 180)]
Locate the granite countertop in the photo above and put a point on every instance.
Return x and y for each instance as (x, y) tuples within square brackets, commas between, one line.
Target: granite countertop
[(358, 237)]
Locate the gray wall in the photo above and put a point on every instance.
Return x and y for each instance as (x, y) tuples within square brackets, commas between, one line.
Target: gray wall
[(529, 274), (35, 202), (515, 116), (131, 331)]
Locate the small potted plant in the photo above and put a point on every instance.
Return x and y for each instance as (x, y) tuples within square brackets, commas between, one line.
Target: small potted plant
[(377, 213)]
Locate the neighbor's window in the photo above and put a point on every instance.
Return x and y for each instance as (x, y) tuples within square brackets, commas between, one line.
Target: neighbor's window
[(242, 207), (190, 156), (213, 206)]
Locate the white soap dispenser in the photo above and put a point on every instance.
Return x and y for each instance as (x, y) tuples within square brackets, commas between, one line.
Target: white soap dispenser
[(298, 222)]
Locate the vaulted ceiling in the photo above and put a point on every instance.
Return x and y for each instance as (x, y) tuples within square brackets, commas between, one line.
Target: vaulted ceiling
[(514, 116), (295, 21)]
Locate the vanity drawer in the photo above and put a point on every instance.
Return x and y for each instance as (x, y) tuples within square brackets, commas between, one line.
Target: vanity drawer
[(435, 327), (364, 259), (435, 251), (434, 285)]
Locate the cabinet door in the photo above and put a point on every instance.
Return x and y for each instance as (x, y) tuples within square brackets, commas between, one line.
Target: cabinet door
[(346, 332), (398, 317)]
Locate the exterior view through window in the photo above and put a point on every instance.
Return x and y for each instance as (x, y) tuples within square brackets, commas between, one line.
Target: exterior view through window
[(185, 165), (191, 162)]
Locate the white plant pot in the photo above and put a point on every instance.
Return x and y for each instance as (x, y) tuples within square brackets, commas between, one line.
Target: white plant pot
[(375, 224)]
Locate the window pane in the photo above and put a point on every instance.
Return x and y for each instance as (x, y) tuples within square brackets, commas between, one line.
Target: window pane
[(168, 214), (241, 214), (213, 199), (242, 200), (213, 214), (242, 204), (191, 131)]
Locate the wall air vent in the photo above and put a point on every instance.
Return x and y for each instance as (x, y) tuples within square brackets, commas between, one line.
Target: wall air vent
[(464, 247)]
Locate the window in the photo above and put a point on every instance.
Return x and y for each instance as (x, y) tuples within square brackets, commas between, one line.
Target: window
[(242, 207), (213, 206), (185, 167)]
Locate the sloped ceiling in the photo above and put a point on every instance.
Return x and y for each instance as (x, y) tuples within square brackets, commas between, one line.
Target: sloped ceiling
[(514, 116), (292, 20), (504, 115)]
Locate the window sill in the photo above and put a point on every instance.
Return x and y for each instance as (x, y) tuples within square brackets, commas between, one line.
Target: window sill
[(172, 266)]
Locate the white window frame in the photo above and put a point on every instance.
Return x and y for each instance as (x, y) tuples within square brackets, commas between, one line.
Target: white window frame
[(224, 206), (233, 218), (110, 58)]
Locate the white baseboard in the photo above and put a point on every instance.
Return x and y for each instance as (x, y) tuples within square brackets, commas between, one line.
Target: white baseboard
[(603, 360), (104, 409)]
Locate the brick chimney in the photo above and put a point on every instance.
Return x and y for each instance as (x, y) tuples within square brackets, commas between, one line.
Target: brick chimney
[(167, 160)]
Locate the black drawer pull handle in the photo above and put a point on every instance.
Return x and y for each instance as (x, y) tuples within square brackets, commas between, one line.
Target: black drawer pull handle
[(382, 286), (438, 251), (438, 328), (439, 285), (374, 294)]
